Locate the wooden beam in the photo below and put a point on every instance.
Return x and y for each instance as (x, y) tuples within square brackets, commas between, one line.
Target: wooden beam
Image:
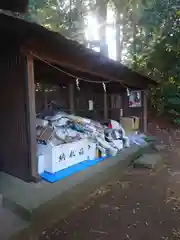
[(71, 98), (105, 106), (31, 116), (145, 111)]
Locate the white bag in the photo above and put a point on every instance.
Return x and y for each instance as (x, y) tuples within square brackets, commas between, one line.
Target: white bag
[(57, 116), (41, 122), (117, 126), (118, 144), (60, 122), (61, 133), (107, 145), (126, 142)]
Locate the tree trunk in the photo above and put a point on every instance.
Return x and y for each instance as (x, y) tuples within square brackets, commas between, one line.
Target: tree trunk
[(123, 32), (102, 16), (118, 37), (121, 8), (134, 32)]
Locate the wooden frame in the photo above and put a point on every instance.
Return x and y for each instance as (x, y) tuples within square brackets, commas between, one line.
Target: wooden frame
[(105, 106), (31, 117), (145, 111), (71, 98)]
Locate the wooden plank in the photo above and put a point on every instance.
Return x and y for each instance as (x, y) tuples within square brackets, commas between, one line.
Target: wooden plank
[(31, 116), (105, 106), (71, 98), (145, 111), (14, 144)]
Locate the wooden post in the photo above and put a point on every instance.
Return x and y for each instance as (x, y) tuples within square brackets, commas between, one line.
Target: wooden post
[(31, 116), (71, 98), (105, 106), (45, 97), (145, 111)]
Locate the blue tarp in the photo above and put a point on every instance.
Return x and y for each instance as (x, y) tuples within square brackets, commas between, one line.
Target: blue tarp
[(54, 177)]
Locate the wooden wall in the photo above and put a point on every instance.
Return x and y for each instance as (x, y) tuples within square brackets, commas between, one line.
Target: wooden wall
[(81, 101), (14, 148), (115, 102), (82, 104), (58, 94), (115, 105)]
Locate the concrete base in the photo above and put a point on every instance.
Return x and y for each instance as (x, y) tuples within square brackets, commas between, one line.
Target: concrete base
[(44, 203), (150, 160)]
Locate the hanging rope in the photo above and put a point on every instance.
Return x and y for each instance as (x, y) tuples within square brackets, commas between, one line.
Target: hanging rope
[(81, 79), (69, 74), (77, 84), (104, 87)]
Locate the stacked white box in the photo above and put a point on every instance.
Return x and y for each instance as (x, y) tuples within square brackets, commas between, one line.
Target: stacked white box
[(63, 156)]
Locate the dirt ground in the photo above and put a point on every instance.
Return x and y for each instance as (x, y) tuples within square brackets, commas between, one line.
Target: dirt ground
[(140, 205)]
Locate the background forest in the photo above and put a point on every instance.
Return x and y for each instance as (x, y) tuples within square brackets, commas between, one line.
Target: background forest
[(142, 34)]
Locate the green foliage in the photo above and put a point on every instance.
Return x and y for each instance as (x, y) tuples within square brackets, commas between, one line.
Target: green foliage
[(150, 34), (60, 16), (158, 53), (176, 121)]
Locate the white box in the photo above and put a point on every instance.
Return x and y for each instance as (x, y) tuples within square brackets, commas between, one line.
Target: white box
[(66, 155), (40, 164)]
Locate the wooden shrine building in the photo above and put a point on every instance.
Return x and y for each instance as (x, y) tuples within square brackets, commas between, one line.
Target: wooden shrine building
[(31, 55)]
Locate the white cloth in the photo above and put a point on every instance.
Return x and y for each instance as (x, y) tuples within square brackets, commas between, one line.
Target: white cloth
[(117, 126), (41, 122)]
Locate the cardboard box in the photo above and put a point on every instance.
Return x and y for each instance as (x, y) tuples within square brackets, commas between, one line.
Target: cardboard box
[(130, 124), (136, 122), (127, 123)]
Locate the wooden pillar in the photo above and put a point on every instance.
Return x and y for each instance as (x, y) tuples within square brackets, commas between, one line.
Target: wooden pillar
[(145, 111), (31, 116), (105, 106), (45, 95), (71, 98)]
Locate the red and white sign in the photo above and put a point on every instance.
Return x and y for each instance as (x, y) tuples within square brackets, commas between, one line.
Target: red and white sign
[(135, 99)]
